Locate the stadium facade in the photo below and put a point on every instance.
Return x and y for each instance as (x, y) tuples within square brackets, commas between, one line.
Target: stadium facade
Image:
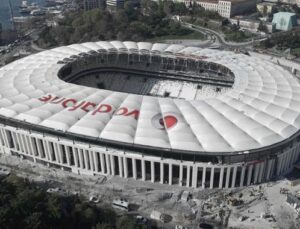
[(162, 113)]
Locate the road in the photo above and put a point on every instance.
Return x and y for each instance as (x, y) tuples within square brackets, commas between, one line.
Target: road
[(217, 39)]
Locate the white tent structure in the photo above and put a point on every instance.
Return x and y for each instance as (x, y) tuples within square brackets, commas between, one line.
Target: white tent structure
[(259, 112)]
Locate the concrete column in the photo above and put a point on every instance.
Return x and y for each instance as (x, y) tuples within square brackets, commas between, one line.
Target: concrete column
[(6, 138), (32, 148), (20, 142), (260, 175), (161, 172), (273, 168), (170, 174), (294, 155), (221, 177), (188, 176), (39, 148), (60, 153), (55, 152), (297, 152), (269, 166), (26, 147), (195, 176), (282, 158), (143, 170), (256, 171), (125, 167), (242, 176), (85, 158), (212, 173), (180, 174), (112, 163), (152, 172), (227, 177), (120, 160), (3, 144), (50, 152), (96, 166), (75, 155), (203, 177), (103, 170), (249, 175), (278, 165), (283, 165), (134, 168), (107, 160), (67, 155), (234, 177), (91, 161), (14, 137), (289, 160), (81, 162), (46, 148)]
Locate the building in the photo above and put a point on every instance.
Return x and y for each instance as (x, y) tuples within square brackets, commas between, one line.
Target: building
[(226, 8), (291, 2), (265, 8), (284, 20), (112, 4), (160, 113), (93, 4), (252, 25)]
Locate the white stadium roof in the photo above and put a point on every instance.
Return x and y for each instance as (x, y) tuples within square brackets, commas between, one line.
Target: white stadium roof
[(261, 109)]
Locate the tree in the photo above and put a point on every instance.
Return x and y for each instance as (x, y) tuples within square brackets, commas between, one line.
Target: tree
[(125, 223), (180, 8), (168, 7), (130, 11)]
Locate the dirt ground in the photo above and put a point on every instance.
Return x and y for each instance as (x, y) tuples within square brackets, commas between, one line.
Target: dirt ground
[(212, 206)]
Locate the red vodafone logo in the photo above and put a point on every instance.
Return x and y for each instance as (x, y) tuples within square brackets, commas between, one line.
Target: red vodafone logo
[(167, 121)]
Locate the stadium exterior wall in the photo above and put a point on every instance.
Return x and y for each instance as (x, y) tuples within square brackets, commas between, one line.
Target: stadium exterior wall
[(83, 158)]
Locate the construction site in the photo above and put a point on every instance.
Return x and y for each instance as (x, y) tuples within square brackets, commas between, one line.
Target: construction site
[(268, 205)]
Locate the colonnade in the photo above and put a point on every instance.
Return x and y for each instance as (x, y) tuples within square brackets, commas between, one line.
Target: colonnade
[(83, 158)]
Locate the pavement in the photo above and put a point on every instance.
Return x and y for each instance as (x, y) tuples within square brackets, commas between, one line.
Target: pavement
[(219, 37)]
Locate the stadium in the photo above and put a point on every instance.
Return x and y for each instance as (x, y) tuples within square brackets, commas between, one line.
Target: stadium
[(161, 113)]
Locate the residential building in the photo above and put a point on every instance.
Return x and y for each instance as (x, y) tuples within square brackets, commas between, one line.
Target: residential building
[(115, 3), (93, 4), (226, 8)]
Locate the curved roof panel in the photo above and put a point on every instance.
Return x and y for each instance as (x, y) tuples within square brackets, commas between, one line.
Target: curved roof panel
[(262, 107)]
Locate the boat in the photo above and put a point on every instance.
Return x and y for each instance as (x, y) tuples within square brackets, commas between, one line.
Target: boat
[(23, 5), (27, 9), (55, 2), (24, 11), (37, 12)]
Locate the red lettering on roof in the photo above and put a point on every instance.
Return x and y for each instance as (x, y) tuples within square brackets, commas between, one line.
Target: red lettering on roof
[(86, 106), (134, 113), (45, 98), (102, 108), (122, 111), (76, 106), (57, 100), (68, 101)]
